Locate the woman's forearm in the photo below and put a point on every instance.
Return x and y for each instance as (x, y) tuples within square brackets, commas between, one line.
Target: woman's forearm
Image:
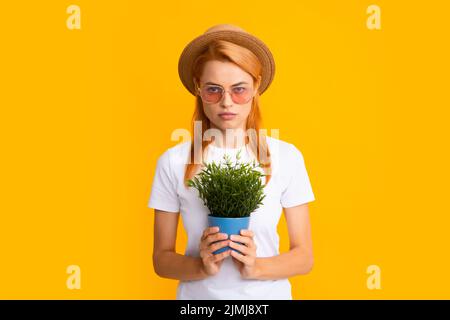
[(294, 262), (169, 264)]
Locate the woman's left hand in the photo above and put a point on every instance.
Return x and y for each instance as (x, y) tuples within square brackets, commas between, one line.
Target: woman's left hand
[(245, 259)]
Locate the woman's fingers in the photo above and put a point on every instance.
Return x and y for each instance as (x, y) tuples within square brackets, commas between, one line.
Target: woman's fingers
[(243, 249), (209, 231), (211, 241), (221, 256), (213, 238), (245, 240), (245, 260), (247, 233), (216, 237), (210, 257), (208, 250), (211, 235), (218, 245)]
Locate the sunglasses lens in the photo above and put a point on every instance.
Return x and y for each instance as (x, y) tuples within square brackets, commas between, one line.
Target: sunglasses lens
[(241, 95), (211, 94)]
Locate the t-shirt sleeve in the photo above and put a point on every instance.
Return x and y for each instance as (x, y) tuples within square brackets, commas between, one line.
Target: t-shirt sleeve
[(163, 194), (298, 190)]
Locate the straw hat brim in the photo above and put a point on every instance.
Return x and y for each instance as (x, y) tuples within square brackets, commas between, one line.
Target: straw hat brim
[(244, 39)]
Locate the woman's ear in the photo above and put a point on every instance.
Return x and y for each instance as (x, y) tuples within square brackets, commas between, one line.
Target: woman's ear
[(258, 83), (196, 84)]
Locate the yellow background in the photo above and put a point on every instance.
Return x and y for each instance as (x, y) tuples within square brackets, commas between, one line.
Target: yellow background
[(86, 113)]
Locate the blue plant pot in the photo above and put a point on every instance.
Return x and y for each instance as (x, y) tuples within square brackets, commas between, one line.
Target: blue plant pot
[(229, 226)]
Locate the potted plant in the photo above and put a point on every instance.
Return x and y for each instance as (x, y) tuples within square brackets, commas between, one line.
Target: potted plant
[(231, 192)]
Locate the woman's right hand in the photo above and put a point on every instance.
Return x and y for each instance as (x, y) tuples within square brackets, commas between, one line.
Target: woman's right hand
[(212, 262)]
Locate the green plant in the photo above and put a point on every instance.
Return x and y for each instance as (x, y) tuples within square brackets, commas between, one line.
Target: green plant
[(230, 190)]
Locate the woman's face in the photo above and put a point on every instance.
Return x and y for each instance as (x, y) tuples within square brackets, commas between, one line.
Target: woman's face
[(227, 114)]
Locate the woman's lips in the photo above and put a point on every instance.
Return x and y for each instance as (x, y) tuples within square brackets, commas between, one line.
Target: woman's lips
[(227, 115)]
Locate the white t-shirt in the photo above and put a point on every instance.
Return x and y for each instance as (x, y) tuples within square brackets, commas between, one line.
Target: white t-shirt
[(289, 186)]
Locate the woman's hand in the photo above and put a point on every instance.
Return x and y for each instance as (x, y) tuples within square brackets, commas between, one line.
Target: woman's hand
[(212, 262), (246, 259)]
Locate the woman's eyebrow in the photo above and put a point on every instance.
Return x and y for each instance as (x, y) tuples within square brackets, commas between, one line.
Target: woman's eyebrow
[(234, 85)]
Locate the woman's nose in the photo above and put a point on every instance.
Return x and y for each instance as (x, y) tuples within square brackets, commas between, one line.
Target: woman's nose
[(226, 100)]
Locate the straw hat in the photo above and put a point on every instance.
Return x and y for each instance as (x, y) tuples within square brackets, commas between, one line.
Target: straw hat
[(229, 33)]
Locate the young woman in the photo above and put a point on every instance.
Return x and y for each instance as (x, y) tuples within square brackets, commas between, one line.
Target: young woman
[(227, 69)]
